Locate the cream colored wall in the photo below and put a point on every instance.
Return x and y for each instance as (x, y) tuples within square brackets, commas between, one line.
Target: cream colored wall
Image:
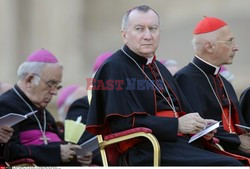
[(76, 31)]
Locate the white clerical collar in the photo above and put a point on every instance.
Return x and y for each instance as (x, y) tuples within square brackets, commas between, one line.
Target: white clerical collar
[(217, 69), (150, 60)]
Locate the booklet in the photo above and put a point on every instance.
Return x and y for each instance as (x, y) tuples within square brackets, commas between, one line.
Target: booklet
[(205, 131), (88, 146), (14, 118), (245, 128)]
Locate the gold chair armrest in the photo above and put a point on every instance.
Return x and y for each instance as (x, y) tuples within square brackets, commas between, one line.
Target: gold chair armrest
[(149, 136)]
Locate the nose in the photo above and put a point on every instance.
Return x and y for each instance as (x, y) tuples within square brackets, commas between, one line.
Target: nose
[(53, 91), (147, 34), (235, 48)]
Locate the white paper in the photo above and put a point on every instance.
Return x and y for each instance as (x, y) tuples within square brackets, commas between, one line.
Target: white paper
[(205, 131), (14, 118), (245, 128), (88, 146)]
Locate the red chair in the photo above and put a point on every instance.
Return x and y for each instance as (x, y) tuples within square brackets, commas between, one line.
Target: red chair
[(110, 153), (21, 162), (108, 144)]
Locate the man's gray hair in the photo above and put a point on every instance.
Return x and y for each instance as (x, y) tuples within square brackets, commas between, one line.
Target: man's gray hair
[(28, 68), (142, 8), (201, 39)]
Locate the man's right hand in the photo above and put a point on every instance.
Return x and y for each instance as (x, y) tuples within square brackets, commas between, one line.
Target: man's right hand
[(191, 123), (68, 151), (5, 134), (245, 143)]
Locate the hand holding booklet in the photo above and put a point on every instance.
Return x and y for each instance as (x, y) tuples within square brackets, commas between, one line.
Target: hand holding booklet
[(204, 132), (14, 118), (88, 146)]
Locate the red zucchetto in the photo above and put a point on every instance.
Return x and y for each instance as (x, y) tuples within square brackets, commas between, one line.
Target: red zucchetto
[(208, 24)]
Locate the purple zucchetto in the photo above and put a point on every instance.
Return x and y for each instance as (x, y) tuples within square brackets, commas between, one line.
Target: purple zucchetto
[(100, 59), (64, 93), (42, 55)]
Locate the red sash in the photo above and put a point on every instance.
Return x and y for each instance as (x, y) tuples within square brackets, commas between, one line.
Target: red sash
[(123, 146), (170, 113), (234, 120)]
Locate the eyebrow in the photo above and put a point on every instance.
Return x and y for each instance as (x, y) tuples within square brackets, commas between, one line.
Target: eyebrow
[(54, 81)]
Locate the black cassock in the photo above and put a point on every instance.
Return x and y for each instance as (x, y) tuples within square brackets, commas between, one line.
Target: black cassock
[(123, 98), (22, 145), (245, 105), (197, 90)]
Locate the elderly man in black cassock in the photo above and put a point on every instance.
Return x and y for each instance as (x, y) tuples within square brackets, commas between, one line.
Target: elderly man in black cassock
[(245, 105), (208, 92), (37, 137), (132, 89)]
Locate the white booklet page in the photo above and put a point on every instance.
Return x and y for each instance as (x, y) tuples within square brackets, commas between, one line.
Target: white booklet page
[(205, 131), (14, 118)]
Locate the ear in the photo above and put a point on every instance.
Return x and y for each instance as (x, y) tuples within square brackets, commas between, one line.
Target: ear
[(124, 37), (209, 47), (29, 81)]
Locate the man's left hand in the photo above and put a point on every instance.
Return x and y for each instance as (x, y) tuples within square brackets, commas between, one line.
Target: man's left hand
[(245, 143), (86, 159), (210, 135)]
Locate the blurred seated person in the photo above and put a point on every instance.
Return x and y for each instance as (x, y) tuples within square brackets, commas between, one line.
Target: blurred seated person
[(4, 87), (226, 74), (245, 105), (171, 65), (80, 106), (66, 97), (37, 137)]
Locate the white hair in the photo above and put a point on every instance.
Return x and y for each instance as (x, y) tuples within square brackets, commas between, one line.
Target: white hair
[(28, 68), (200, 40)]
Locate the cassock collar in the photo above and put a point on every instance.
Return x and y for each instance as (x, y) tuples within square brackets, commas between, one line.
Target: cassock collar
[(205, 66), (24, 96), (139, 59)]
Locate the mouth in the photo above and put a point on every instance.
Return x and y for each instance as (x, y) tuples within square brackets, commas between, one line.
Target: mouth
[(147, 44), (47, 101)]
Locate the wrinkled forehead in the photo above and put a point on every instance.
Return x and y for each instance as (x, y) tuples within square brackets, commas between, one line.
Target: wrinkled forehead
[(224, 33), (149, 17), (52, 71)]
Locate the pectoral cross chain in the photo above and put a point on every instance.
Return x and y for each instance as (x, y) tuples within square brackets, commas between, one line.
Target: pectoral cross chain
[(45, 139)]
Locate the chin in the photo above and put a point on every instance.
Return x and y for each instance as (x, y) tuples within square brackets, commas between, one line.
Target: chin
[(148, 54), (44, 105)]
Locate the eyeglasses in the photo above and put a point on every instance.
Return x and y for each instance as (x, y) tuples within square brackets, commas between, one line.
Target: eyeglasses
[(228, 42), (51, 83)]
